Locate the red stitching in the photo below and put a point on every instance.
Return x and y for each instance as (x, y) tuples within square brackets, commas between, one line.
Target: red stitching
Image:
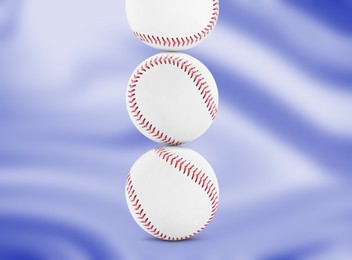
[(183, 41), (142, 216), (138, 115), (194, 74), (199, 179), (198, 176)]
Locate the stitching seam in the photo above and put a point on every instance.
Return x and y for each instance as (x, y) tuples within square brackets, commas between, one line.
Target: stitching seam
[(186, 168), (191, 71), (183, 41)]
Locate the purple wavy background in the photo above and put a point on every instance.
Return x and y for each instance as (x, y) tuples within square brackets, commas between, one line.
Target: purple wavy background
[(281, 145)]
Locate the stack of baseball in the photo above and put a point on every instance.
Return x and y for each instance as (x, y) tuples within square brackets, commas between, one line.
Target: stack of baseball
[(172, 98)]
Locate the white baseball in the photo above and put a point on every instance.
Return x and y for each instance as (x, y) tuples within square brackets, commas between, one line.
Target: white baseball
[(172, 25), (172, 193), (172, 98)]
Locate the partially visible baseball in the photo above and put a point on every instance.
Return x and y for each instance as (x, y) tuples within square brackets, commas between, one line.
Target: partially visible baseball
[(172, 193), (172, 98), (172, 25)]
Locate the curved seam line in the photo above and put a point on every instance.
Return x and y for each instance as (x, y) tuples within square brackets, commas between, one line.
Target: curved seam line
[(182, 41)]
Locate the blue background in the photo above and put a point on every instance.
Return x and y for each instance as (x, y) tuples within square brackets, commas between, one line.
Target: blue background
[(281, 144)]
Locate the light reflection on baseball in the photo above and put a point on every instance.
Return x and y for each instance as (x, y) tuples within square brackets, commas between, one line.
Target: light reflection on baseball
[(172, 193), (172, 98), (172, 25)]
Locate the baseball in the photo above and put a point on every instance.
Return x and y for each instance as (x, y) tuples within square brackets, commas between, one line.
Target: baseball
[(172, 98), (172, 25), (172, 193)]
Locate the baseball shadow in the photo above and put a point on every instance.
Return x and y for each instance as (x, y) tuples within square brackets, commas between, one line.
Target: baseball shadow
[(157, 240)]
